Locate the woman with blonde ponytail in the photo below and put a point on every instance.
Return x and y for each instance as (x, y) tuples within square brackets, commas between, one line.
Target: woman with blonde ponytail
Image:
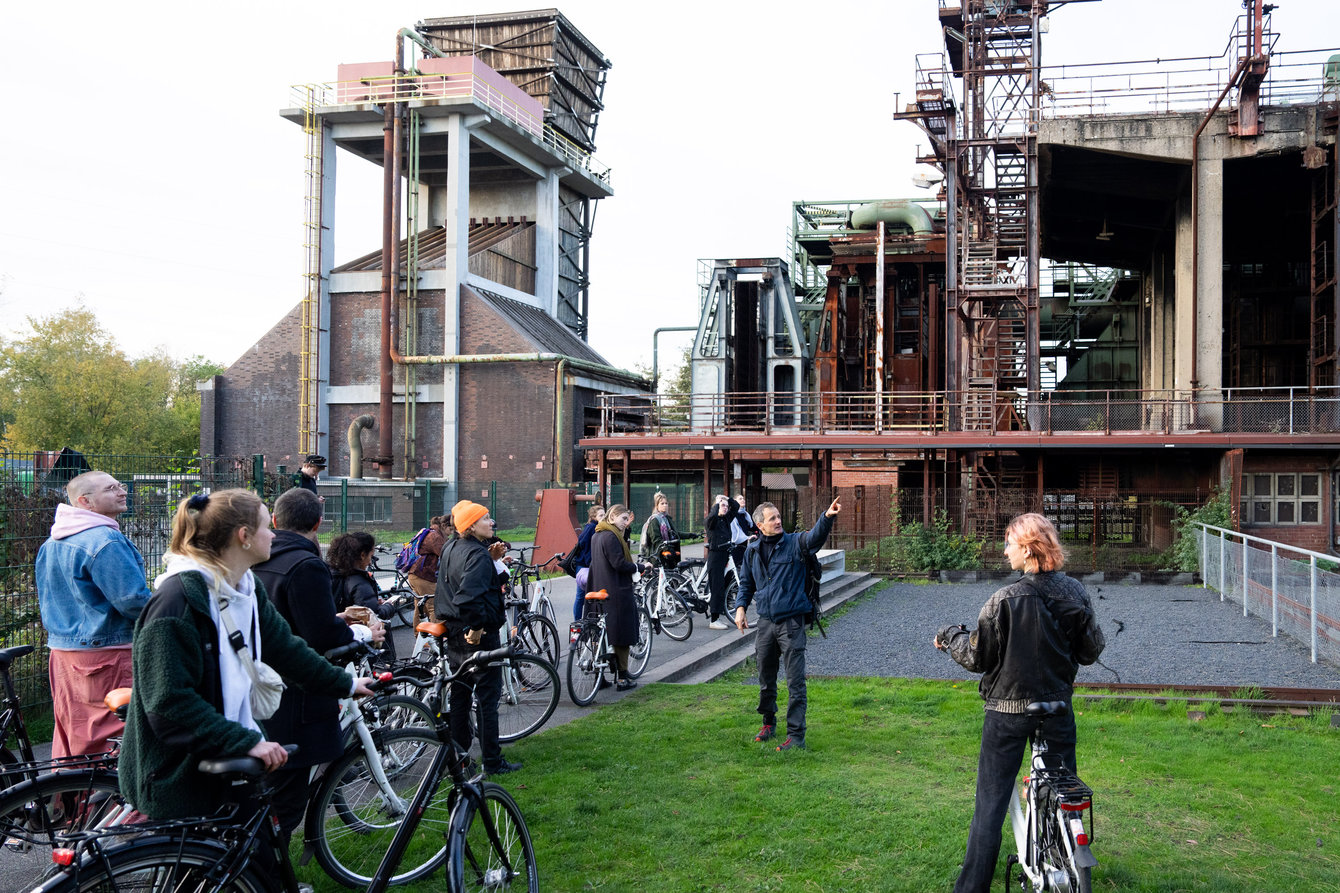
[(192, 693)]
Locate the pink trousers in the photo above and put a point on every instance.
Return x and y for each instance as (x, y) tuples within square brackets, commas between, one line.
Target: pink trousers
[(79, 682)]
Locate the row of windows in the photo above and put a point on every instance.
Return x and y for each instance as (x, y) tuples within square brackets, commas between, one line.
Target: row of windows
[(1288, 498)]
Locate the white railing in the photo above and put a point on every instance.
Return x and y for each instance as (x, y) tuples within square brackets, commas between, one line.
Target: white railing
[(1300, 595), (423, 89)]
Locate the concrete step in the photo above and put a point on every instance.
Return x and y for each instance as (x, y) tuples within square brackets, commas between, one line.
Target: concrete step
[(728, 650)]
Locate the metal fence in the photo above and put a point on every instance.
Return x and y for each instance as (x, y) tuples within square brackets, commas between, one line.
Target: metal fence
[(31, 486), (1297, 590)]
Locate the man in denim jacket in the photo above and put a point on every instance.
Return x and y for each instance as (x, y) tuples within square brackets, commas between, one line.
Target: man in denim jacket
[(91, 587)]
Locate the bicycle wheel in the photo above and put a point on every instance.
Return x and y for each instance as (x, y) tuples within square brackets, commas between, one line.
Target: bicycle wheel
[(586, 667), (402, 712), (155, 865), (676, 615), (530, 690), (33, 813), (547, 610), (476, 863), (351, 819), (640, 653), (538, 635), (404, 609)]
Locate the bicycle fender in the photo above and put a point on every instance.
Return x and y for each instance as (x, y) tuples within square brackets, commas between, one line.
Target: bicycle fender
[(1084, 857)]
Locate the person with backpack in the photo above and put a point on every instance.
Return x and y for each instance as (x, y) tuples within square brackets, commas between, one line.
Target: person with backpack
[(595, 515), (659, 528), (421, 570), (774, 573), (717, 531)]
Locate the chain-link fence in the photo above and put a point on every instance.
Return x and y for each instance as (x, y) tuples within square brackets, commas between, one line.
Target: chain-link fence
[(1296, 590)]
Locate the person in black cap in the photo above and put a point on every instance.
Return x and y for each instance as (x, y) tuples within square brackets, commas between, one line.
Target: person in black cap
[(311, 467)]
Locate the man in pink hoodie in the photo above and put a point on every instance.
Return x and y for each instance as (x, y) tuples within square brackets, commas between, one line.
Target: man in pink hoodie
[(91, 587)]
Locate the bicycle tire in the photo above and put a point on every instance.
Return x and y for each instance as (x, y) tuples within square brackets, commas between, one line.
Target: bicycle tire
[(350, 822), (639, 653), (677, 618), (538, 635), (156, 865), (405, 610), (475, 864), (35, 813), (403, 712), (530, 692), (586, 667)]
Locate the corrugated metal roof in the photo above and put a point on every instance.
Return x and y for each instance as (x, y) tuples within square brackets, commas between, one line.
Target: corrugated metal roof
[(777, 480), (546, 333)]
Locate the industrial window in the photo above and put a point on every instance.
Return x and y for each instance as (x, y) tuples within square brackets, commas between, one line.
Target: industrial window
[(362, 510), (1281, 499)]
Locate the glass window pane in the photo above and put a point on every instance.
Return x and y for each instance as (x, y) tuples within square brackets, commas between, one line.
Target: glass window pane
[(1284, 513), (1309, 484), (1309, 512), (1285, 484), (1261, 485), (1261, 512), (1243, 517)]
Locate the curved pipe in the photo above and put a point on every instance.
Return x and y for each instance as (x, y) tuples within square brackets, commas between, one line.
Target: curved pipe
[(911, 215), (356, 443)]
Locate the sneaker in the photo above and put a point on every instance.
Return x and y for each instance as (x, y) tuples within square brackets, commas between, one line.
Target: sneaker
[(624, 685), (792, 744), (717, 624), (767, 733), (502, 768)]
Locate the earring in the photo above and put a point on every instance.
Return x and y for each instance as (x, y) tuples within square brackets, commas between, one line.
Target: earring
[(246, 545)]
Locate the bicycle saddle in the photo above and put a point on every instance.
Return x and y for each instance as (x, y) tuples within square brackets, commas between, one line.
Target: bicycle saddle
[(1047, 708), (7, 655), (429, 627), (243, 765), (118, 701), (597, 596), (692, 562)]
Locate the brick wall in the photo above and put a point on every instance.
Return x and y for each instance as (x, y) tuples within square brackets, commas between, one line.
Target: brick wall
[(255, 405), (1316, 537)]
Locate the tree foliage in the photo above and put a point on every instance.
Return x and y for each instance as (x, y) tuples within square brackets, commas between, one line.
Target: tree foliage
[(67, 383), (1184, 553)]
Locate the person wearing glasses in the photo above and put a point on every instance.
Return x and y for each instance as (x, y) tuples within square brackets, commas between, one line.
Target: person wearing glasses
[(1030, 639), (91, 587)]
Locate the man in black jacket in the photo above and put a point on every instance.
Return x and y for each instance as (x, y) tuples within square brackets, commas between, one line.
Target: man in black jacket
[(1030, 639), (298, 583), (469, 600)]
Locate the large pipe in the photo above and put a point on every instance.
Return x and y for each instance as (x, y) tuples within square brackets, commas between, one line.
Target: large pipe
[(655, 351), (356, 443), (384, 397), (1195, 220), (901, 211)]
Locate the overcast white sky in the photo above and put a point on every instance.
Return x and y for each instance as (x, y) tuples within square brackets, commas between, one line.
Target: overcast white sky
[(146, 171)]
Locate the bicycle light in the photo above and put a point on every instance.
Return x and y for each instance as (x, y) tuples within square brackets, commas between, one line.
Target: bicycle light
[(1077, 831), (63, 856)]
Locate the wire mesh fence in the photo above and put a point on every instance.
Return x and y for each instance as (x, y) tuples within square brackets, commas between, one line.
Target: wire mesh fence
[(1297, 591)]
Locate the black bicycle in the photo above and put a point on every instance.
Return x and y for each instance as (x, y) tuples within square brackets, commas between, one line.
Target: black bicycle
[(483, 838)]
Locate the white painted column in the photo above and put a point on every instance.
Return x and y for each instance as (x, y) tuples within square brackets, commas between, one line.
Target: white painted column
[(547, 242), (326, 263), (456, 261)]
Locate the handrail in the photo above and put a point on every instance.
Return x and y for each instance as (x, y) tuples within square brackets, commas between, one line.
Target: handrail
[(1283, 411), (425, 88)]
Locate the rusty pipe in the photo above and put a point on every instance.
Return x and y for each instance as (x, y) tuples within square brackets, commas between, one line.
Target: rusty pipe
[(355, 439), (1195, 220)]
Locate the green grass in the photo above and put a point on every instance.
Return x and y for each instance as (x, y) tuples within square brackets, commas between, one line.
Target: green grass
[(666, 791)]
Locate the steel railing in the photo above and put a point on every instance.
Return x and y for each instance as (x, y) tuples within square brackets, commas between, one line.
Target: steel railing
[(1300, 595), (423, 89), (1283, 411)]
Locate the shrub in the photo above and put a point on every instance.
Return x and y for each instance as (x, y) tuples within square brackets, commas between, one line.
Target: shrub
[(934, 546), (1184, 553)]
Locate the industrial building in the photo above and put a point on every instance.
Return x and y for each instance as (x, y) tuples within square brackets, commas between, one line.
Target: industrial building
[(1122, 300), (456, 352)]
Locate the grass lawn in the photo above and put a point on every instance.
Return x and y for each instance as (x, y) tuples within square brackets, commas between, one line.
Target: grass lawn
[(665, 791)]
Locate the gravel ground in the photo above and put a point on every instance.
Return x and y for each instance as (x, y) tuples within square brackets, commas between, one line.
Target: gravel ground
[(1172, 635)]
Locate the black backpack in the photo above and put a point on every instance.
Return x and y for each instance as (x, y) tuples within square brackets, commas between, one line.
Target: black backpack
[(814, 572)]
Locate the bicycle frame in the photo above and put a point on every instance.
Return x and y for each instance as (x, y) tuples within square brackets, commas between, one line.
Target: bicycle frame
[(1056, 802)]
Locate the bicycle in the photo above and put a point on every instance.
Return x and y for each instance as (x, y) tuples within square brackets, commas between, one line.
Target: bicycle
[(530, 613), (485, 842), (536, 597), (590, 655), (659, 590), (697, 590), (1048, 820)]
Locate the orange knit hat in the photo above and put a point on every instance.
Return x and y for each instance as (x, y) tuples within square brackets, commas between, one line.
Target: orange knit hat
[(466, 514)]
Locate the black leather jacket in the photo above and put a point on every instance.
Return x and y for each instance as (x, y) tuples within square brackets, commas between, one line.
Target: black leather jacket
[(1030, 640), (469, 587)]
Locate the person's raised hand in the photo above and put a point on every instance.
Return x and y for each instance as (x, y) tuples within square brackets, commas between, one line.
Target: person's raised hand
[(835, 507)]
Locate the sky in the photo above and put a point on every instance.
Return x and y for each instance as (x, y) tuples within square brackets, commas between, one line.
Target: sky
[(145, 171)]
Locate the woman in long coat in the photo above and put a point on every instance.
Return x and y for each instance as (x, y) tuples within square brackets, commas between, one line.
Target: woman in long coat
[(612, 569)]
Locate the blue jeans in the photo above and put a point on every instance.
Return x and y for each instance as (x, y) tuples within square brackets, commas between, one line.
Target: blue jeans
[(774, 642), (1004, 740)]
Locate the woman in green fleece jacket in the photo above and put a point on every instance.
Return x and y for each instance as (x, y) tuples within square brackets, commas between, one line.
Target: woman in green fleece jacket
[(191, 695)]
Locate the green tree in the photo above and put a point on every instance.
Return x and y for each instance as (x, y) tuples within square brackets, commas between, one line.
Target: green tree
[(677, 388), (69, 384)]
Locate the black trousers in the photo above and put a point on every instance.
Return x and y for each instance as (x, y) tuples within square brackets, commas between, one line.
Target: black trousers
[(487, 689), (716, 581)]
